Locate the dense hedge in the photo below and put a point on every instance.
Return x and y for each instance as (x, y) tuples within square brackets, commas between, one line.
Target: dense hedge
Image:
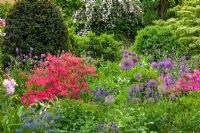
[(157, 42), (98, 47), (37, 24)]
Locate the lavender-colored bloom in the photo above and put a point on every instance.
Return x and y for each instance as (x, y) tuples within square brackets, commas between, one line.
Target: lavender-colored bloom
[(151, 83), (161, 64), (168, 80), (154, 65), (138, 77), (168, 64), (126, 63)]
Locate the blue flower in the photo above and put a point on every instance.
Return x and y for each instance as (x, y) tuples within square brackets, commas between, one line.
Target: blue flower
[(27, 125), (19, 131), (47, 116)]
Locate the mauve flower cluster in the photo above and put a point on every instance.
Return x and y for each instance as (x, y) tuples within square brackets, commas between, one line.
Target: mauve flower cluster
[(164, 64), (140, 92), (58, 76), (129, 60), (9, 84), (189, 81)]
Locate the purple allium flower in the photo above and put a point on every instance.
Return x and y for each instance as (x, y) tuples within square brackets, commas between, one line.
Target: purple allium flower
[(168, 64), (138, 77), (151, 83), (126, 63), (161, 64), (154, 65)]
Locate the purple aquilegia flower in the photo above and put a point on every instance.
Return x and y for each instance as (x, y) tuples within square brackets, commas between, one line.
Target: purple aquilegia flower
[(126, 63), (151, 83)]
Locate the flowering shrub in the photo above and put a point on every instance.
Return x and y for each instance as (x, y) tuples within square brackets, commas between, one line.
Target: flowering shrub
[(120, 17), (58, 76), (189, 81)]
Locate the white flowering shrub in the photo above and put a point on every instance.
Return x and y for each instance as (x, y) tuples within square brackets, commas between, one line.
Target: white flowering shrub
[(113, 16)]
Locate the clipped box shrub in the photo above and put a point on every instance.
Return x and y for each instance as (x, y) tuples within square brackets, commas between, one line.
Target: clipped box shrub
[(157, 42), (37, 24), (98, 47)]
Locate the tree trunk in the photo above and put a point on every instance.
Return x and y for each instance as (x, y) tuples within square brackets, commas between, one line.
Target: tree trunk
[(163, 7)]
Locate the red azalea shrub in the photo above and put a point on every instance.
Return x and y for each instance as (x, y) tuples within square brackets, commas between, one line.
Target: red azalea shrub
[(189, 81), (59, 76)]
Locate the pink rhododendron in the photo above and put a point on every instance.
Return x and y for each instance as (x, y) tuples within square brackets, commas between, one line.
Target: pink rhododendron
[(62, 76), (189, 81)]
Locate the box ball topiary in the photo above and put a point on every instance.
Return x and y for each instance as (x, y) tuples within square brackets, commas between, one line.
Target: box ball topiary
[(158, 42), (36, 24)]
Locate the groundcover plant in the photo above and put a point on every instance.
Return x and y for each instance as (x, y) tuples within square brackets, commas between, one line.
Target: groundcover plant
[(92, 86)]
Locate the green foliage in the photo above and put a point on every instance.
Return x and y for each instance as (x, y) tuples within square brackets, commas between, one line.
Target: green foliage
[(4, 8), (68, 6), (157, 41), (9, 106), (150, 11), (186, 25), (77, 116), (98, 47), (114, 77), (173, 116), (37, 24)]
